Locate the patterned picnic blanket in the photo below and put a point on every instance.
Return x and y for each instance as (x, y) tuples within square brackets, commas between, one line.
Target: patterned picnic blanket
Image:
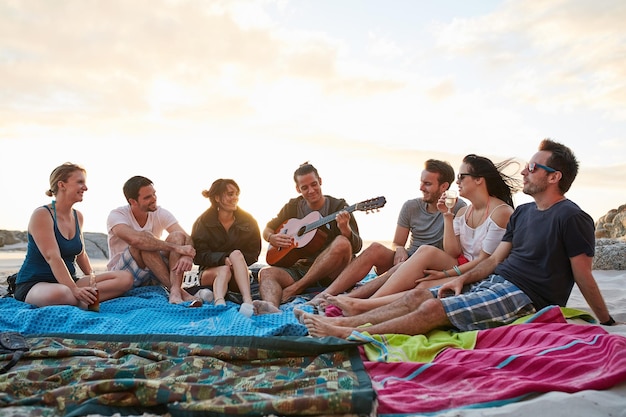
[(182, 376)]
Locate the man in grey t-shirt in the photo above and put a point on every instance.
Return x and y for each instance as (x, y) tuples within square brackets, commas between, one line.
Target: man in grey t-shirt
[(418, 218)]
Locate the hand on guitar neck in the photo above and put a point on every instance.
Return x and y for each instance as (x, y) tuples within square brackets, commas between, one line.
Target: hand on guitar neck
[(306, 236)]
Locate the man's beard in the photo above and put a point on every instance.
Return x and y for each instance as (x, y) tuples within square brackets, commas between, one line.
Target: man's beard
[(532, 189)]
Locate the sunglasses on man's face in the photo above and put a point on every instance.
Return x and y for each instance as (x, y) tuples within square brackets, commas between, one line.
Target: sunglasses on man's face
[(531, 167)]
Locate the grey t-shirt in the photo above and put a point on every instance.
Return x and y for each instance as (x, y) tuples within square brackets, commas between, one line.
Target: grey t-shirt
[(425, 228)]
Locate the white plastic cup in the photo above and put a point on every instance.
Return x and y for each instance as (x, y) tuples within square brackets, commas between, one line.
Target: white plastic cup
[(206, 294), (246, 310)]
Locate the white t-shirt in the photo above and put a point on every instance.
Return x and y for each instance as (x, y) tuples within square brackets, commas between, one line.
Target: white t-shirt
[(486, 237), (158, 222)]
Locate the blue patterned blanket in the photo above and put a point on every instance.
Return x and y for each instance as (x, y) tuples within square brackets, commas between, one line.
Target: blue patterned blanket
[(146, 310)]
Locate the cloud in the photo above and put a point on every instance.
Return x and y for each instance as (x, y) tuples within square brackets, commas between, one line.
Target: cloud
[(555, 54)]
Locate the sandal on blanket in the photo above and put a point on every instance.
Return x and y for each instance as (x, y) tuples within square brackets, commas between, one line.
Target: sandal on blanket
[(195, 303)]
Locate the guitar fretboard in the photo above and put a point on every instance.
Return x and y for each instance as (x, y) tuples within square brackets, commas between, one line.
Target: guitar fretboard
[(326, 219)]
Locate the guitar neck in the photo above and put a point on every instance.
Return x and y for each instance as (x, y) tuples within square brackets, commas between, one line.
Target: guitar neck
[(327, 219)]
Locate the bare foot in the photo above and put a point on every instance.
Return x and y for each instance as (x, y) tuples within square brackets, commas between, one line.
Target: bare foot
[(350, 306), (318, 326), (177, 297), (317, 300), (264, 307), (299, 312)]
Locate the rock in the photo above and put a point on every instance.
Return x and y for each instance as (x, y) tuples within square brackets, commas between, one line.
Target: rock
[(612, 224), (10, 237), (610, 254), (95, 243)]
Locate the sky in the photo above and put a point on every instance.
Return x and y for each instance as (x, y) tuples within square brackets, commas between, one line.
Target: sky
[(186, 92)]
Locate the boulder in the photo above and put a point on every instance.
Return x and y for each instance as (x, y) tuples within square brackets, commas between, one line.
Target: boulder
[(11, 237), (613, 224), (95, 243), (610, 254)]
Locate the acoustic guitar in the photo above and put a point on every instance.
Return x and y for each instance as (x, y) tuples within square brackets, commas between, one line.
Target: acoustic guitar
[(308, 238)]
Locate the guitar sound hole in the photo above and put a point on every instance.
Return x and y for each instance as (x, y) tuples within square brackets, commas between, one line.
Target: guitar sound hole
[(301, 231)]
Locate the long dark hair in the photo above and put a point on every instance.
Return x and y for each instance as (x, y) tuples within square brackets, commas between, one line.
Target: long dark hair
[(499, 184)]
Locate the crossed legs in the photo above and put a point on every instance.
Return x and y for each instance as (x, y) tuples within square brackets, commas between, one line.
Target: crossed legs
[(171, 279), (276, 285), (415, 312)]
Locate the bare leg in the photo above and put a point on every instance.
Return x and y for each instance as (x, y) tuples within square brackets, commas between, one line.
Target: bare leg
[(375, 255), (170, 279), (177, 293), (417, 312), (328, 264), (369, 288), (218, 277), (426, 257), (272, 280), (351, 306), (241, 273), (112, 284), (47, 294)]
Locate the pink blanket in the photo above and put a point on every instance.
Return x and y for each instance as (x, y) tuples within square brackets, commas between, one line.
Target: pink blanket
[(507, 364)]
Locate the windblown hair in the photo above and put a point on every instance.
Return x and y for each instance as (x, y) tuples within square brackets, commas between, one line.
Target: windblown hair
[(499, 184), (133, 185), (61, 173), (563, 160), (218, 188)]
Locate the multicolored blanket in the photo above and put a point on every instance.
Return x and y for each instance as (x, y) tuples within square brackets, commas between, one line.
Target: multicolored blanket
[(506, 364), (186, 376), (141, 353)]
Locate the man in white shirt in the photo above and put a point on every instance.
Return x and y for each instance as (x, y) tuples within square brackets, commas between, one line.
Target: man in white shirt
[(135, 244)]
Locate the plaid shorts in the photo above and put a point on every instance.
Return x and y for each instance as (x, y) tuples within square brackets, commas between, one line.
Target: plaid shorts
[(489, 303), (141, 276)]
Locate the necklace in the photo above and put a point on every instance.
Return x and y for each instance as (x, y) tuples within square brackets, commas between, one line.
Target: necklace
[(471, 215)]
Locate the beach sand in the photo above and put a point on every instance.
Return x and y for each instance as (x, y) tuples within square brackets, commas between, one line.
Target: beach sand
[(609, 403)]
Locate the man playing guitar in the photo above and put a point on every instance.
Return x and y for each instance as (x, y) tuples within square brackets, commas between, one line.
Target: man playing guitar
[(340, 241)]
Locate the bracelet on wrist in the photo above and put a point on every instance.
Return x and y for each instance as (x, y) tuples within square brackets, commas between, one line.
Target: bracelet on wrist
[(445, 272), (609, 322), (457, 270)]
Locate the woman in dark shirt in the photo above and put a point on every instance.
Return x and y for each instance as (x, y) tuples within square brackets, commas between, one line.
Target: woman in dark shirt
[(55, 245), (227, 240)]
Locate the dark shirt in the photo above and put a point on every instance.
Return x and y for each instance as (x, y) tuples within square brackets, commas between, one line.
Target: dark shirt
[(36, 268), (543, 243), (293, 210), (213, 243)]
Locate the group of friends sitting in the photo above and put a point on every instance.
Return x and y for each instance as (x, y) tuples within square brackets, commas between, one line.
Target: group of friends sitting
[(462, 266)]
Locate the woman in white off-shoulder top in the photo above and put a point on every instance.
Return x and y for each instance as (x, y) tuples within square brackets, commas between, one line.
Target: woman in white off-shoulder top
[(468, 238)]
